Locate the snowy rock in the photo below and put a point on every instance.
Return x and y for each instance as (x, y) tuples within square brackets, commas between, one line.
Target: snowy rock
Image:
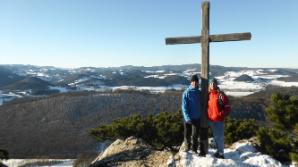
[(132, 152)]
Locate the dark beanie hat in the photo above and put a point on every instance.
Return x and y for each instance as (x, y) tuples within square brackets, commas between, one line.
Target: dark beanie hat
[(194, 78), (214, 81)]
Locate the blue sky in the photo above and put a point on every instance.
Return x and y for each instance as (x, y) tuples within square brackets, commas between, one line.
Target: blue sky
[(104, 33)]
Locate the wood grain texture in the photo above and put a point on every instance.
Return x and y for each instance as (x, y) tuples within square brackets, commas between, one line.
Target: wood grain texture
[(212, 38)]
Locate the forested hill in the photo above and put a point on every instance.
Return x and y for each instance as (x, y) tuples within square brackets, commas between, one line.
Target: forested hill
[(57, 126)]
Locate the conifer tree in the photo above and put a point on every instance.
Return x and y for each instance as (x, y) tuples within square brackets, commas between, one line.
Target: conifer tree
[(281, 140)]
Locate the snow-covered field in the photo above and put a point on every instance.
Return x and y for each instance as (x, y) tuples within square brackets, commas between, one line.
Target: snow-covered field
[(1, 98), (39, 162), (157, 89), (241, 154), (59, 88), (152, 89), (5, 97), (261, 79)]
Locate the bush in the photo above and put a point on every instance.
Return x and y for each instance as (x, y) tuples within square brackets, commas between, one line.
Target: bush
[(239, 129), (274, 143), (283, 111), (162, 131), (165, 130), (281, 140), (4, 154)]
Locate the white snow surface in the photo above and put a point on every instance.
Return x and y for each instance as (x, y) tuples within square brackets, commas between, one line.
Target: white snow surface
[(156, 89), (61, 89), (22, 162), (155, 76), (283, 83), (238, 94), (1, 99), (162, 76), (241, 154), (262, 78)]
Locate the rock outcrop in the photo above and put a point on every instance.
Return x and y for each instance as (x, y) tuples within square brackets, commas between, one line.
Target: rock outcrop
[(132, 152)]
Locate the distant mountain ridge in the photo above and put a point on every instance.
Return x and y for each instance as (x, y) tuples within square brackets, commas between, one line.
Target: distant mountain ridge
[(36, 80), (114, 74)]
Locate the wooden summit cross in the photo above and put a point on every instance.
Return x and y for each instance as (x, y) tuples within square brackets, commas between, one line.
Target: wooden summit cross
[(204, 39)]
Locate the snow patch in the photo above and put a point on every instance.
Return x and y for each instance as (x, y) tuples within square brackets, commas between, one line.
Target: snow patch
[(234, 74), (55, 162), (284, 84), (238, 94), (1, 99), (228, 85), (157, 89), (240, 154), (152, 89), (155, 76), (121, 72), (159, 76), (160, 71), (272, 70), (59, 88), (79, 81)]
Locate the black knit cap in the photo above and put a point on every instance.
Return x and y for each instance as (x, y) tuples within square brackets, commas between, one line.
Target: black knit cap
[(214, 81), (194, 78)]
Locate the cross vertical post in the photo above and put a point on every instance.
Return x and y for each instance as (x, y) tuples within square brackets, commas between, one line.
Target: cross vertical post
[(204, 76)]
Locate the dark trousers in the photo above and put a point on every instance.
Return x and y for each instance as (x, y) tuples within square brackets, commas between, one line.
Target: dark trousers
[(191, 132)]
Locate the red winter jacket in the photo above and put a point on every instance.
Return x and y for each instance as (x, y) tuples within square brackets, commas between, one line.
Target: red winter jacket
[(213, 110)]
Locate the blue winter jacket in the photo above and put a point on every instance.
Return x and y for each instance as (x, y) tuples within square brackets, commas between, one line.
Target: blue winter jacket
[(191, 104)]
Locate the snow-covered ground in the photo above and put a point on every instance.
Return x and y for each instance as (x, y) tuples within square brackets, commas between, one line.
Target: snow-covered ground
[(262, 78), (1, 99), (39, 162), (152, 89), (241, 154), (157, 89), (6, 97), (59, 88), (283, 83)]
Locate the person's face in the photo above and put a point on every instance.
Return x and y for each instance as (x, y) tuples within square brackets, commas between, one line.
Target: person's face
[(212, 86), (194, 84)]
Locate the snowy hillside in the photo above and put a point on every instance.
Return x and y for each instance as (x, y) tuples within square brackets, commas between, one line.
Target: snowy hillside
[(261, 79)]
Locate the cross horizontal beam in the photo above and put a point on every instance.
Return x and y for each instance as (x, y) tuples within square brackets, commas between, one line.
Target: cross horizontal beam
[(212, 38)]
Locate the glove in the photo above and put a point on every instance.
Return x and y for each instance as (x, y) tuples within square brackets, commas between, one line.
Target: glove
[(188, 122)]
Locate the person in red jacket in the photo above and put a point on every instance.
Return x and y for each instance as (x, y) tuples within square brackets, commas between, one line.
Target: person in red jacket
[(218, 108)]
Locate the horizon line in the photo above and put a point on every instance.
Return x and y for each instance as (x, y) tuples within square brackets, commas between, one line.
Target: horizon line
[(141, 66)]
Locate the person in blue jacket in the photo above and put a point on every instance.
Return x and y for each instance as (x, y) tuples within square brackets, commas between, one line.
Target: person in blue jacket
[(191, 109)]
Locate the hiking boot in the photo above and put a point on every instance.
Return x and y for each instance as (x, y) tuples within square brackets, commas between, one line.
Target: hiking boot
[(202, 155), (219, 155), (195, 152), (186, 149)]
